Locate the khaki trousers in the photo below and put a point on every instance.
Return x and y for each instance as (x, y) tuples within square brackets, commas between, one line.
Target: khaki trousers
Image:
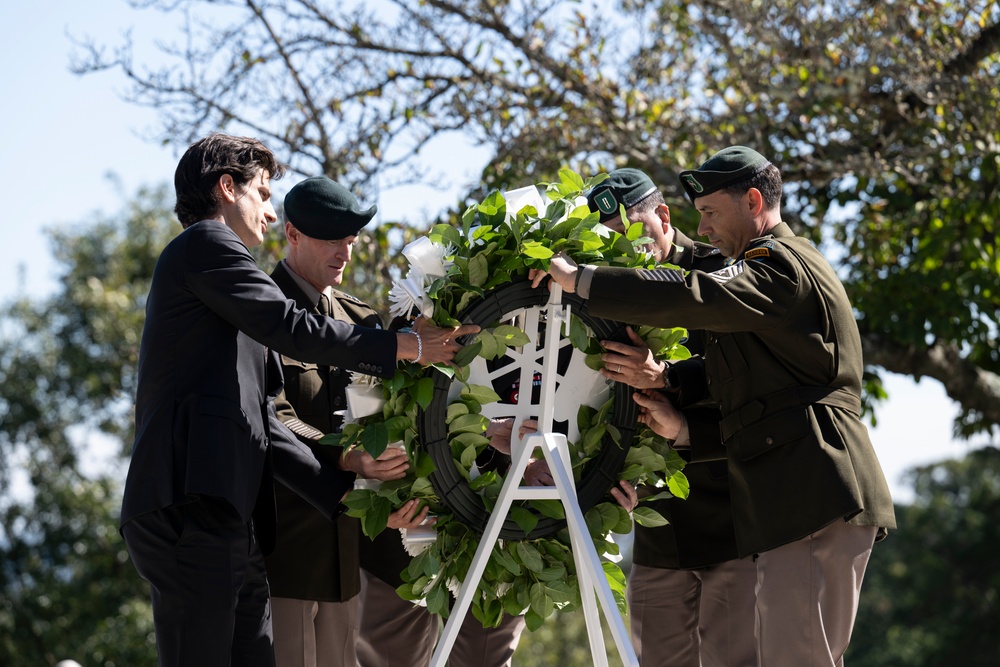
[(398, 633), (807, 596), (693, 618), (315, 634)]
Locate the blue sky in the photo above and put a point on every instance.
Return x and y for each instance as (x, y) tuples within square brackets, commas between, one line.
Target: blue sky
[(61, 135)]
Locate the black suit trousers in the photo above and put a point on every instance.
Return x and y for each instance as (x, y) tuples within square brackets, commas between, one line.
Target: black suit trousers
[(206, 574)]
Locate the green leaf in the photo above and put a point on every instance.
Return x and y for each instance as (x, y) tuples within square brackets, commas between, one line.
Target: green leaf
[(648, 517), (529, 555), (571, 179), (525, 520), (594, 362), (455, 410), (634, 231), (493, 209), (532, 621), (470, 439), (490, 347), (377, 517), (578, 333), (423, 392), (591, 441), (536, 250), (486, 479), (480, 394), (424, 465), (446, 235), (437, 600), (616, 581), (479, 270), (541, 603), (679, 485), (510, 335), (468, 423), (506, 561), (551, 508), (641, 460), (469, 456), (375, 438)]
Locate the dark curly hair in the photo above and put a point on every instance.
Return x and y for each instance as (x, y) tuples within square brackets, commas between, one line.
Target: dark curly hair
[(206, 160)]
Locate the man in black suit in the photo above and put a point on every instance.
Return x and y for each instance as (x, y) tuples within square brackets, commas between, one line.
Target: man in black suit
[(198, 508)]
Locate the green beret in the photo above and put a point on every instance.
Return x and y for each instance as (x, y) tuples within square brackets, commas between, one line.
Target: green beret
[(623, 186), (727, 167), (324, 209)]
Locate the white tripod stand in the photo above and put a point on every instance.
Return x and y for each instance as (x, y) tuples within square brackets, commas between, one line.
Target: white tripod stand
[(590, 574)]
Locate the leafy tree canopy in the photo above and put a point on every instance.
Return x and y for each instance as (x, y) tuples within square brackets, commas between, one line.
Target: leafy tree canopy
[(881, 115)]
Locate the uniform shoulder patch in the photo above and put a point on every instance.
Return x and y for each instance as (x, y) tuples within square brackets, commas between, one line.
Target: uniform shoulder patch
[(754, 253)]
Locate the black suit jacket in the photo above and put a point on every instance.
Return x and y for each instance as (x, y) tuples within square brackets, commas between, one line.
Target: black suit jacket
[(205, 422)]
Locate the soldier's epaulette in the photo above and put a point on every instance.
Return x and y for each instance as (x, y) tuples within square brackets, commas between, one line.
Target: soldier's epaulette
[(759, 250), (703, 250), (350, 297)]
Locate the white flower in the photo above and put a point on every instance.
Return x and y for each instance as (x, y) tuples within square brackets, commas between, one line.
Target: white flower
[(453, 585), (409, 294), (521, 197), (414, 549), (426, 257)]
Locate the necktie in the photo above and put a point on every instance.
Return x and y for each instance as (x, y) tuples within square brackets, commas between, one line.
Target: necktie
[(324, 305)]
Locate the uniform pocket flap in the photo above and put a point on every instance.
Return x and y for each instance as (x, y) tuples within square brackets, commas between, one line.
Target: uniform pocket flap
[(771, 432), (295, 363)]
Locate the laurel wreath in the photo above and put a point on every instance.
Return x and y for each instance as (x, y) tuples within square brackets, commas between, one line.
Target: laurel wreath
[(534, 577)]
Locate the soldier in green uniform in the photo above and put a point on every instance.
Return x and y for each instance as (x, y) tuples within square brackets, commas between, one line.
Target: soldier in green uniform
[(313, 571), (783, 362), (691, 598)]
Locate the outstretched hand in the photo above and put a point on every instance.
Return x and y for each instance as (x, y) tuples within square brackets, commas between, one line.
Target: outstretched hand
[(562, 270), (659, 414), (391, 464), (439, 344), (627, 496), (632, 364), (409, 516)]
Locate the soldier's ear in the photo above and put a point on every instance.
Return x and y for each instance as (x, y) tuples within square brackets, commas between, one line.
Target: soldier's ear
[(756, 202), (663, 213)]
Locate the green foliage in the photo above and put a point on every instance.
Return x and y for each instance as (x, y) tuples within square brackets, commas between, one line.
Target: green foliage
[(69, 590), (532, 577), (881, 116), (932, 591), (67, 367)]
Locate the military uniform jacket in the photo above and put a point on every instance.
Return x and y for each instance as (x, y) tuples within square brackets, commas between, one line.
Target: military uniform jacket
[(315, 559), (783, 362), (205, 422), (700, 532)]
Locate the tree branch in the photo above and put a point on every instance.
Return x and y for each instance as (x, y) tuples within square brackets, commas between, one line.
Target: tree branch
[(965, 382)]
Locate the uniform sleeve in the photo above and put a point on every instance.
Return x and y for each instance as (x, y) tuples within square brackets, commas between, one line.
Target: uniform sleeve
[(749, 295), (222, 274), (297, 467)]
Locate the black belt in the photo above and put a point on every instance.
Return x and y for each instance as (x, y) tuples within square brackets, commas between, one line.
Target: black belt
[(792, 397)]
